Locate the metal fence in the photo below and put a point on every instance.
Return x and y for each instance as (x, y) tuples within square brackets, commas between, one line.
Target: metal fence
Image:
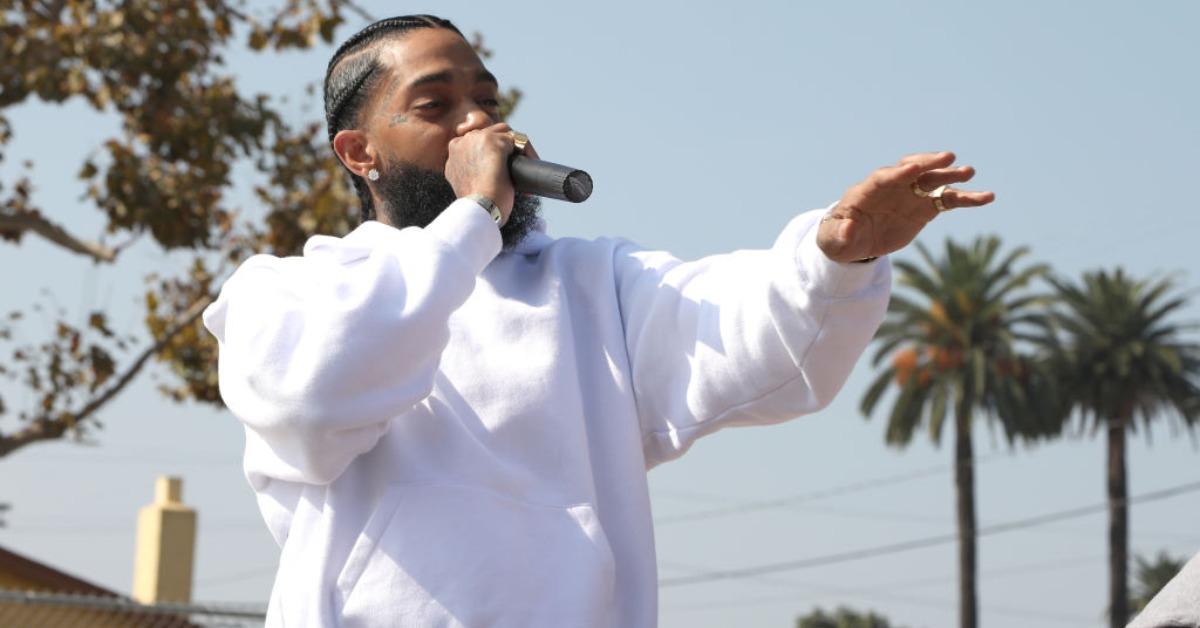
[(54, 610)]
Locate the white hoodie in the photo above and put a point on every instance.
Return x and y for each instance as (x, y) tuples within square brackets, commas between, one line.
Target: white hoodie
[(440, 434)]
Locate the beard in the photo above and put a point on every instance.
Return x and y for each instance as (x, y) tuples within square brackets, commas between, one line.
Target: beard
[(413, 197)]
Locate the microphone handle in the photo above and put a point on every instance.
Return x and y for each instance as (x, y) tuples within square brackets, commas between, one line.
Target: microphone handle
[(542, 178)]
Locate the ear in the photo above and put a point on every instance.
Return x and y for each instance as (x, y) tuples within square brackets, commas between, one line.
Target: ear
[(351, 145)]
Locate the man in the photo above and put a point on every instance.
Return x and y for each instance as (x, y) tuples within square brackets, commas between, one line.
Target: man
[(449, 423)]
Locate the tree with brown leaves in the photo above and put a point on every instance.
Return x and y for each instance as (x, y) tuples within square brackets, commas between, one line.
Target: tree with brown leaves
[(157, 66)]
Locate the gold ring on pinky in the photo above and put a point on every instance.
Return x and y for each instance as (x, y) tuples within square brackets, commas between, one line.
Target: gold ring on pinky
[(936, 195), (520, 140)]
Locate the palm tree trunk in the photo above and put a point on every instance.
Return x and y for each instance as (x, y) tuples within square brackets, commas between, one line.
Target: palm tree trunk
[(964, 484), (1118, 526)]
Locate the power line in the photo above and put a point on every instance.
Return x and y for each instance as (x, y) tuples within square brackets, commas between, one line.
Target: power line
[(901, 517), (904, 546), (835, 491), (911, 518), (1011, 570), (878, 593), (850, 512), (908, 583)]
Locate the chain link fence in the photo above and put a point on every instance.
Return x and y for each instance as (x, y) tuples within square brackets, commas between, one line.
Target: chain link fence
[(61, 610)]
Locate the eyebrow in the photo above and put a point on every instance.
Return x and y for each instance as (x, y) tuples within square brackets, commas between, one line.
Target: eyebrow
[(483, 76)]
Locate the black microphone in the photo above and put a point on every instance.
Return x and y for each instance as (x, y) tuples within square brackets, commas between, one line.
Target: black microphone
[(542, 178)]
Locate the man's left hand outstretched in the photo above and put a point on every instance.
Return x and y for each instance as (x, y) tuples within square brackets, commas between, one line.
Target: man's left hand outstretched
[(887, 210)]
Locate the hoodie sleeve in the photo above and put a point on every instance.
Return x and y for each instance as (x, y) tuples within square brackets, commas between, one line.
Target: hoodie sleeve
[(750, 337), (318, 353)]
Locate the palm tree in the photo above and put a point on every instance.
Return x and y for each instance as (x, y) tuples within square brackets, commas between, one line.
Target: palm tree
[(843, 618), (955, 342), (1121, 361), (1151, 576)]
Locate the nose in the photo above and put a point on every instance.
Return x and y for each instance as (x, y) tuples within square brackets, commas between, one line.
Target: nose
[(473, 118)]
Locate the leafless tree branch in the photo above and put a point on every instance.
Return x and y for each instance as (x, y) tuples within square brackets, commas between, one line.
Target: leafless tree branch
[(21, 221)]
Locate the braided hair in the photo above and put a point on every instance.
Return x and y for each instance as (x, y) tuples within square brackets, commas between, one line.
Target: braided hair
[(353, 74)]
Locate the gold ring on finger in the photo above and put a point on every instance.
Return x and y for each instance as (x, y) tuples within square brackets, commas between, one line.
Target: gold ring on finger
[(937, 196), (934, 193), (520, 140)]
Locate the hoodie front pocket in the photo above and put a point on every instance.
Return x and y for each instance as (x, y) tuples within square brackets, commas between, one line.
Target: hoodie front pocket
[(463, 556)]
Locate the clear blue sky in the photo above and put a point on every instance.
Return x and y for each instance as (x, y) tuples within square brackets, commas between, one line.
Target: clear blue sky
[(706, 126)]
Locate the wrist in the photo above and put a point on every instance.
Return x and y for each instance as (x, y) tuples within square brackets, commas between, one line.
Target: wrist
[(833, 245), (488, 206)]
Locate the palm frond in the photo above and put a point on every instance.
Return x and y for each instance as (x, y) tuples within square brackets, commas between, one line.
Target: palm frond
[(912, 276), (1120, 355), (906, 414), (875, 391), (962, 316)]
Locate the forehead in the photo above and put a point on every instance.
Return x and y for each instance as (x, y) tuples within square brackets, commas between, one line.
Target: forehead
[(429, 50)]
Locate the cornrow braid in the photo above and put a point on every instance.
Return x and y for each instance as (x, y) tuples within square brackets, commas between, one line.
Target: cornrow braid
[(352, 75)]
